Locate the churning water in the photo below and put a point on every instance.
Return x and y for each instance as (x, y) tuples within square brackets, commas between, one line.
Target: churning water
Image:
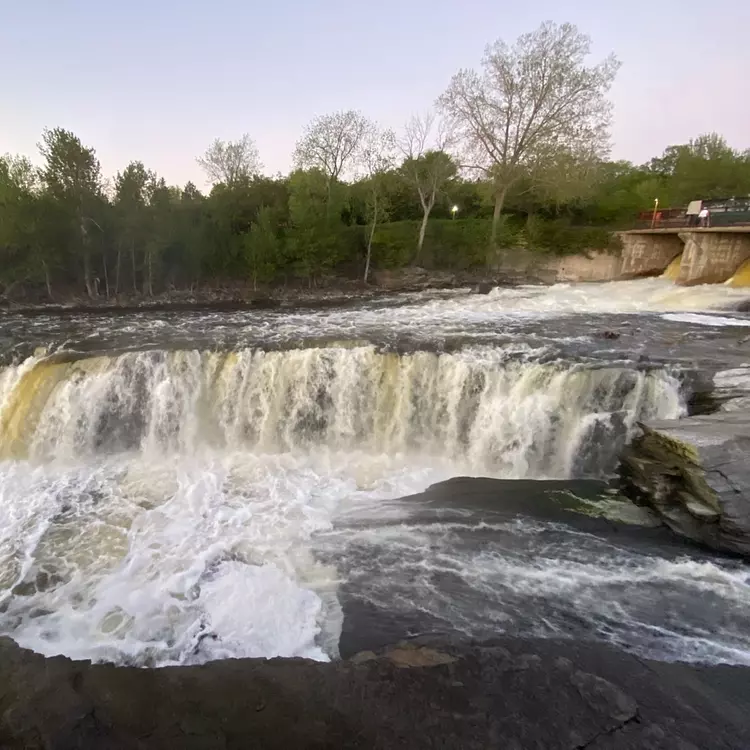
[(178, 488)]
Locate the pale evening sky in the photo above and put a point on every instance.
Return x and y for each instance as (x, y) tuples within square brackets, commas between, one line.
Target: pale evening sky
[(158, 80)]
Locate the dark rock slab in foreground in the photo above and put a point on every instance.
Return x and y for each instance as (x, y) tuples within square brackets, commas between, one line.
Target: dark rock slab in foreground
[(695, 473), (511, 694)]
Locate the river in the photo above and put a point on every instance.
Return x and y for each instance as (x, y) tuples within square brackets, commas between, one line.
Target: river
[(181, 487)]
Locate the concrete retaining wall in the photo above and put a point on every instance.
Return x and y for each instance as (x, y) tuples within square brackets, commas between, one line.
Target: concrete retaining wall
[(712, 258), (594, 266), (647, 254)]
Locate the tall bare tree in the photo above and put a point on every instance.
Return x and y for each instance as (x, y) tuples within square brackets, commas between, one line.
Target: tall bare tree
[(231, 162), (426, 165), (377, 158), (531, 102), (331, 143)]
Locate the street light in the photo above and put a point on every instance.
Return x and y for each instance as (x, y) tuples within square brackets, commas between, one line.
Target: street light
[(656, 208), (454, 211)]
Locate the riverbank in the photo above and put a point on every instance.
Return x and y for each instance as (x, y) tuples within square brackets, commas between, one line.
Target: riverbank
[(425, 693), (331, 292), (514, 267)]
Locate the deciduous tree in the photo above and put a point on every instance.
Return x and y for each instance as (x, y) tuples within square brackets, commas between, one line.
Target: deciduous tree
[(426, 165), (132, 187), (377, 158), (331, 144), (531, 102), (231, 162), (72, 176), (262, 246)]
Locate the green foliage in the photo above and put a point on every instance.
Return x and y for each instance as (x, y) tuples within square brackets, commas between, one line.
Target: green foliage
[(311, 224), (62, 232), (560, 237), (452, 244), (703, 168), (262, 247)]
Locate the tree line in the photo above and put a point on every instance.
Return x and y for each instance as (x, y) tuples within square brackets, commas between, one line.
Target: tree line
[(513, 154)]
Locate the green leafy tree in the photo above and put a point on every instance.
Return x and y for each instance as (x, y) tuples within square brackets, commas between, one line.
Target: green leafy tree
[(706, 167), (132, 187), (72, 176), (163, 212), (314, 223), (262, 247)]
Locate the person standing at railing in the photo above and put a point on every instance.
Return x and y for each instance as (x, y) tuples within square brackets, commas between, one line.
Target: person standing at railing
[(704, 217)]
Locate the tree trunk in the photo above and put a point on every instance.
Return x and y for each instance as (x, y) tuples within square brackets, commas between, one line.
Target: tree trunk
[(499, 202), (86, 258), (372, 234), (329, 190), (148, 286), (422, 231), (117, 268), (493, 256), (106, 271), (87, 275), (47, 280), (132, 258)]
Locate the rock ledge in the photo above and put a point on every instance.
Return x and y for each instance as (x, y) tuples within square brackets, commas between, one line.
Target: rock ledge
[(511, 694)]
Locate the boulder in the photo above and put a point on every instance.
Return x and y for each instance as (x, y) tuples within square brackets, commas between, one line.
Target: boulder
[(695, 474), (483, 287)]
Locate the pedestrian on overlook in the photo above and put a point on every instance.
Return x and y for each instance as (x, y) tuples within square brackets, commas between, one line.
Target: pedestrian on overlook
[(704, 217)]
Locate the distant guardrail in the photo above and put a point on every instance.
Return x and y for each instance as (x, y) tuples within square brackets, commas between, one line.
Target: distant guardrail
[(715, 220)]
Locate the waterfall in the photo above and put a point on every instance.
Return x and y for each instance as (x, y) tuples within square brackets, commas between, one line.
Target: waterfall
[(488, 409)]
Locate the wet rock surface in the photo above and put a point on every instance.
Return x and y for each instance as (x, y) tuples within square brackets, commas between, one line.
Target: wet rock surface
[(426, 693), (695, 474)]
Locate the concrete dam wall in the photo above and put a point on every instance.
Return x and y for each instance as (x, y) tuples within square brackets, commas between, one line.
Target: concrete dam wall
[(689, 256)]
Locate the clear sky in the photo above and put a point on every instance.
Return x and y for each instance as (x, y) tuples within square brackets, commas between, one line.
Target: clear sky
[(159, 80)]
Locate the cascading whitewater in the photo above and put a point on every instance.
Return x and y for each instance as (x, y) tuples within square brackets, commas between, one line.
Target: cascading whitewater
[(164, 507), (488, 409), (173, 506)]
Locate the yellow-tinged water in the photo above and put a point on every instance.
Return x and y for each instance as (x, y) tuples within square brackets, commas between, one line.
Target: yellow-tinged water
[(23, 406), (672, 271), (25, 403), (741, 276)]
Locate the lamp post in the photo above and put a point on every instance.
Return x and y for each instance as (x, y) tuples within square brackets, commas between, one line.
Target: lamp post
[(653, 217), (454, 211)]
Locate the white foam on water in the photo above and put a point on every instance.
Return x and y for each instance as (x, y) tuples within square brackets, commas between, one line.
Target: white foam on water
[(719, 321), (495, 410), (167, 508), (636, 296), (534, 583), (462, 312), (178, 561), (283, 620)]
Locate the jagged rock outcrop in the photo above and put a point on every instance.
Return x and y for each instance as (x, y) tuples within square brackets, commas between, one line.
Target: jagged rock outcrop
[(695, 474), (512, 694)]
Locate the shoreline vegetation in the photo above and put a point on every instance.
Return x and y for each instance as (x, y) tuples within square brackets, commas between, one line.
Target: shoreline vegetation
[(483, 175)]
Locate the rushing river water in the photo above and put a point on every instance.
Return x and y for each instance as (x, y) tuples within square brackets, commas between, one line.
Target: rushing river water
[(178, 487)]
